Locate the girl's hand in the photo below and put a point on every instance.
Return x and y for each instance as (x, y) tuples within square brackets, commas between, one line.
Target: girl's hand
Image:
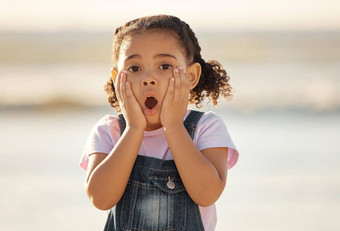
[(130, 107), (176, 99)]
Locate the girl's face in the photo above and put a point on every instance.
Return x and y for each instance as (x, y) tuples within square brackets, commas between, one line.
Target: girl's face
[(148, 59)]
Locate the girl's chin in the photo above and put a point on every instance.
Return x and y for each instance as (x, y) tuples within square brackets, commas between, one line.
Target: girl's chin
[(153, 122)]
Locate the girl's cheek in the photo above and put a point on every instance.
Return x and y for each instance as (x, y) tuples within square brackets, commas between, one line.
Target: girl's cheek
[(166, 74), (133, 83)]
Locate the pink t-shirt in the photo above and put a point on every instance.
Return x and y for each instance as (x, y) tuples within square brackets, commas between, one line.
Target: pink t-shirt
[(210, 132)]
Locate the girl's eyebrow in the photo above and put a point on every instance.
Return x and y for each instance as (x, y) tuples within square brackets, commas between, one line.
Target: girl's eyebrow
[(155, 56), (165, 55)]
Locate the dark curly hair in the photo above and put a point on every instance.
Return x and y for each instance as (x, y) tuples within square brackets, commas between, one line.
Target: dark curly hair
[(214, 81)]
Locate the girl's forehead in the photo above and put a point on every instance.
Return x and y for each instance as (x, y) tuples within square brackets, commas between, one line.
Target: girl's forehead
[(148, 42)]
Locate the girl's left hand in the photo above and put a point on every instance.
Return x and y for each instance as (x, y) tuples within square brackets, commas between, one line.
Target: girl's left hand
[(175, 102)]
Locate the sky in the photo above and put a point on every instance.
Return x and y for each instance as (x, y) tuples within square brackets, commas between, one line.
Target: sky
[(103, 15)]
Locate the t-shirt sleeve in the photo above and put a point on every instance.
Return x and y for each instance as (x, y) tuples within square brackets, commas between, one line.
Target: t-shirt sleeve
[(99, 140), (211, 133)]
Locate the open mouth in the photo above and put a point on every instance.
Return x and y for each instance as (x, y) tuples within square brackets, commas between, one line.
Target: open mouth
[(150, 102)]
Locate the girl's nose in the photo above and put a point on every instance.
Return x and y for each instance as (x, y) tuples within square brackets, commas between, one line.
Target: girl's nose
[(149, 82)]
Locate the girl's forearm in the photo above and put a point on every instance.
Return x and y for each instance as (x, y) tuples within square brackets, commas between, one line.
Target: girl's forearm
[(198, 174), (108, 180)]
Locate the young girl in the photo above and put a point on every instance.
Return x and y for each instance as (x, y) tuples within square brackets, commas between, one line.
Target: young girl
[(159, 165)]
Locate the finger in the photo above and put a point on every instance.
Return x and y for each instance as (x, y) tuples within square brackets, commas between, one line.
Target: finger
[(170, 92), (123, 87), (184, 82), (117, 87), (177, 83), (129, 93), (182, 76)]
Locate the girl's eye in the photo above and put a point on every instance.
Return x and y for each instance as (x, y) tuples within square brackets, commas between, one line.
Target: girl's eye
[(134, 69), (165, 66)]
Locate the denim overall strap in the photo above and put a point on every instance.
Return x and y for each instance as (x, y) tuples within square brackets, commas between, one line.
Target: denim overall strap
[(155, 198), (122, 123), (191, 121)]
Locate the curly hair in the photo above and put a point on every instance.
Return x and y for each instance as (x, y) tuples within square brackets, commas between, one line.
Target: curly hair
[(214, 81)]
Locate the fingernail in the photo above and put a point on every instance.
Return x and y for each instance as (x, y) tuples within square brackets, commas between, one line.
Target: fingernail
[(176, 70)]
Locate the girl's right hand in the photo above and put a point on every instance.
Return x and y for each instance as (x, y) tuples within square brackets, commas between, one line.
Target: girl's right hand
[(130, 107)]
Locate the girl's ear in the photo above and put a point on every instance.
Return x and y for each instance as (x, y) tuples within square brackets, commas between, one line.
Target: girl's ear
[(114, 73), (194, 73)]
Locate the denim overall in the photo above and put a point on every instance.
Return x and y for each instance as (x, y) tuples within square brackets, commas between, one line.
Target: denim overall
[(155, 198)]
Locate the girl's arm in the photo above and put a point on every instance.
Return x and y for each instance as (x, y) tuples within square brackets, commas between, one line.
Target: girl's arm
[(107, 175), (203, 173)]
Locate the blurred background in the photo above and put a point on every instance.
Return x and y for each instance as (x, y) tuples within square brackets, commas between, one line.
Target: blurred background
[(283, 58)]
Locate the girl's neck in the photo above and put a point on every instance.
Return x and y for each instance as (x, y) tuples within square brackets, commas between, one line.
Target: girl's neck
[(152, 127)]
